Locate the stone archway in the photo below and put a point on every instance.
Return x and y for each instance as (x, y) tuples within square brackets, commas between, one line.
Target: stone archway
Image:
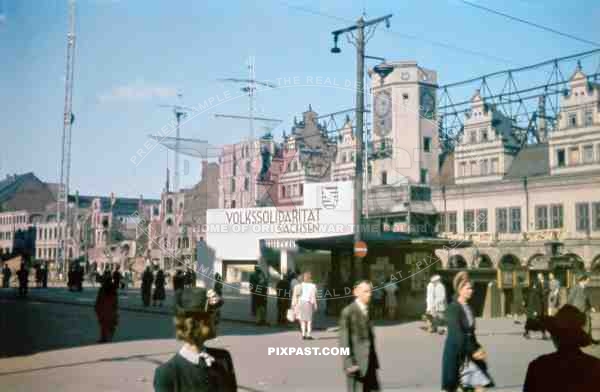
[(596, 265), (457, 261), (509, 261), (485, 261)]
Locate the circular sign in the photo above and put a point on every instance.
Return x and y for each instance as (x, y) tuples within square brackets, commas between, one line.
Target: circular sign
[(360, 249)]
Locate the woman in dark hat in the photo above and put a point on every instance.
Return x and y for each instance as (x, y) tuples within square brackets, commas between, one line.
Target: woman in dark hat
[(196, 367), (567, 369), (463, 362)]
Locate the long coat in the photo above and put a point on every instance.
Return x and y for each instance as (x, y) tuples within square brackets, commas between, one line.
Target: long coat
[(180, 375), (580, 298), (159, 283), (460, 345), (356, 333), (147, 279)]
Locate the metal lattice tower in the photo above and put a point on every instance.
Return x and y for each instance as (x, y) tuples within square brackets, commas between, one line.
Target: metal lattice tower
[(62, 204)]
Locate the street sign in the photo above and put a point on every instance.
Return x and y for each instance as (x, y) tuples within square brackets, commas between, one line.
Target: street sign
[(360, 249)]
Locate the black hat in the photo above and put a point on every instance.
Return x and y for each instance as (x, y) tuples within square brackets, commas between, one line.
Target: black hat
[(567, 327), (197, 300)]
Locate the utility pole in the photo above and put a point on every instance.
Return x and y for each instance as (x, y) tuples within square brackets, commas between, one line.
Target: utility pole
[(62, 204), (359, 41)]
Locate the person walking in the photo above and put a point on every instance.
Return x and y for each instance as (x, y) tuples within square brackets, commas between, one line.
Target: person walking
[(38, 276), (356, 333), (391, 300), (259, 290), (536, 308), (44, 269), (6, 274), (159, 288), (553, 295), (196, 367), (23, 276), (517, 308), (579, 297), (283, 299), (107, 303), (304, 302), (464, 359), (218, 288), (568, 368), (147, 280), (117, 277), (436, 303)]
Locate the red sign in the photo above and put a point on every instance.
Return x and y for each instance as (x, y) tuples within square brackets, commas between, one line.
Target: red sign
[(360, 249)]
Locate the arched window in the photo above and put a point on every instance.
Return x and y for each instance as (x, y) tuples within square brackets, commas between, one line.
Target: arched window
[(457, 261), (485, 261), (169, 206)]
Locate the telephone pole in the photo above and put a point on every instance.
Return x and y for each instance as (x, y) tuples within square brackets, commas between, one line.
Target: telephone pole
[(359, 40)]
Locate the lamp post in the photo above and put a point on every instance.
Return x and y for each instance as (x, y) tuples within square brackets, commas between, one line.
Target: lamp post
[(359, 42)]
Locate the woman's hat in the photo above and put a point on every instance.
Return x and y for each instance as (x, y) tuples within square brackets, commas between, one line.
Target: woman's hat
[(567, 327), (197, 300), (436, 278)]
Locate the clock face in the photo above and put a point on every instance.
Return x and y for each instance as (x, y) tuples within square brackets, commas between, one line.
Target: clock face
[(383, 113)]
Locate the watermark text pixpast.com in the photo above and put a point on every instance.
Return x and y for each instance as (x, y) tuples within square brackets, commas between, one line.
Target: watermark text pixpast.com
[(334, 351)]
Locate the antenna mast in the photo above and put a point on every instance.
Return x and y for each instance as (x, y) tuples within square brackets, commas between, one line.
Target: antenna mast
[(65, 164)]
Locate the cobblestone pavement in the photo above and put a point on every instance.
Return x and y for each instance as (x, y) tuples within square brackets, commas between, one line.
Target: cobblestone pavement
[(51, 347)]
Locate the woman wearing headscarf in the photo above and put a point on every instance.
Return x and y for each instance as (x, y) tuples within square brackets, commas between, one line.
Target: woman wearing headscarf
[(463, 363)]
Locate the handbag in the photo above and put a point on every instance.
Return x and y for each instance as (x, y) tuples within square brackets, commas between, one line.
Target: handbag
[(291, 315)]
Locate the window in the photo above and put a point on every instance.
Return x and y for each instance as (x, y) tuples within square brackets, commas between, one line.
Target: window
[(582, 216), (234, 167), (469, 220), (560, 157), (515, 220), (343, 157), (352, 157), (232, 185), (462, 171), (484, 134), (541, 217), (248, 167), (494, 166), (473, 168), (473, 137), (588, 153), (556, 216), (452, 222), (572, 120), (574, 156), (482, 220), (501, 220), (424, 176), (427, 144), (233, 204), (295, 190), (443, 223), (283, 191), (588, 118), (169, 206), (596, 216), (384, 178), (301, 189), (246, 183), (484, 167)]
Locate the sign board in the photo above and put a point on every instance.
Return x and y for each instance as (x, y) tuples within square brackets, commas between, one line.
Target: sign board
[(360, 249), (235, 233)]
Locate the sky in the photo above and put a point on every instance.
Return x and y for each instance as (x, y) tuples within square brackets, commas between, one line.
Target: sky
[(133, 56)]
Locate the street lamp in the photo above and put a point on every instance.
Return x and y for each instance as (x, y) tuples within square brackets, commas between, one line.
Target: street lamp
[(360, 40), (383, 70)]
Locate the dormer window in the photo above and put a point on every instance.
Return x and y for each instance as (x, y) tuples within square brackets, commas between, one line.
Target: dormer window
[(473, 137), (484, 135), (588, 118), (572, 120)]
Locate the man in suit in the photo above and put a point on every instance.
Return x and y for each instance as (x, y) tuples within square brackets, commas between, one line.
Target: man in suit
[(356, 333), (580, 298), (196, 367)]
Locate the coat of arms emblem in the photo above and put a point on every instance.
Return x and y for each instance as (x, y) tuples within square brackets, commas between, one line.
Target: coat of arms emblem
[(330, 197)]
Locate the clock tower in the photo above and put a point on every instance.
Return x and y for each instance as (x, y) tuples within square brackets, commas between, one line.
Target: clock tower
[(405, 129)]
